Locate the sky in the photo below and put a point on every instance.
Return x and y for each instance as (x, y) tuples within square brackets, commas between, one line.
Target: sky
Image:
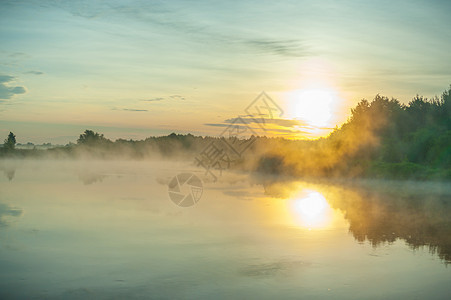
[(133, 69)]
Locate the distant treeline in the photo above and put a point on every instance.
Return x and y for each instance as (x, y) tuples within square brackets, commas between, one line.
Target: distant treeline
[(382, 138)]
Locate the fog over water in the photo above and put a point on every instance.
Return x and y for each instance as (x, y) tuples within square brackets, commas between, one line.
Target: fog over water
[(108, 229)]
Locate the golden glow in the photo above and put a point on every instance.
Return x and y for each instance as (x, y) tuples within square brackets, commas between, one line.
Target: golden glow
[(311, 210), (318, 107), (314, 106)]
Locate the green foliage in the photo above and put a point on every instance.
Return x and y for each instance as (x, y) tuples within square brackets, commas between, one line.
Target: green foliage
[(414, 140)]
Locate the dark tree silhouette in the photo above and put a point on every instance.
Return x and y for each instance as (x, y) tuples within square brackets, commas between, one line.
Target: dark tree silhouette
[(90, 137), (10, 142)]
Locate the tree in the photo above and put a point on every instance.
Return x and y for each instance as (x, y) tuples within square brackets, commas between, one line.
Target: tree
[(10, 142), (92, 138)]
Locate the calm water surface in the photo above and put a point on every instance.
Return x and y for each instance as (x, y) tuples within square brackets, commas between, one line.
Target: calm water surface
[(107, 230)]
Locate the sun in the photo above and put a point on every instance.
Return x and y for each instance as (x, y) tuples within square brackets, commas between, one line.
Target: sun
[(314, 106)]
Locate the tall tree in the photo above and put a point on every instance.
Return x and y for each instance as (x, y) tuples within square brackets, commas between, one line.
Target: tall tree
[(10, 142)]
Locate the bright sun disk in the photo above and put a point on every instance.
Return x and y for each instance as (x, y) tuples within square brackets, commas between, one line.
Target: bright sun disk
[(313, 106)]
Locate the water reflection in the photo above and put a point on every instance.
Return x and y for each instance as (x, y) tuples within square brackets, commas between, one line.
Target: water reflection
[(377, 213), (9, 171), (311, 209), (88, 177), (8, 211), (385, 216), (106, 239)]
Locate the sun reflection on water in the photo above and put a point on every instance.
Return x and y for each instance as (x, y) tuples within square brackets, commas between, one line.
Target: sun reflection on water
[(311, 210)]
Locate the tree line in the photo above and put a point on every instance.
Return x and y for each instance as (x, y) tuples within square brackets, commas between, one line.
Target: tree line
[(381, 138)]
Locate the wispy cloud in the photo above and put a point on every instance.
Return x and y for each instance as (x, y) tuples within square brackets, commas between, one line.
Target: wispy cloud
[(19, 55), (288, 48), (168, 16), (154, 99), (34, 72), (281, 127), (171, 97), (279, 122), (6, 91), (249, 120), (133, 109), (130, 109), (177, 97), (217, 124)]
